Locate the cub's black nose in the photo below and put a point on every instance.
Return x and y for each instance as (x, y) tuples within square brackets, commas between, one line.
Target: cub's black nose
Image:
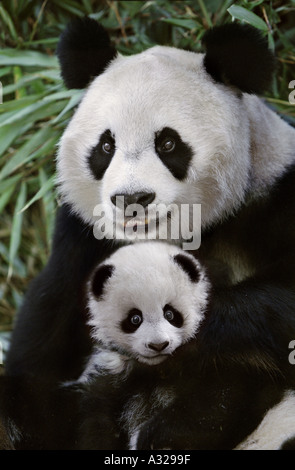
[(123, 200), (158, 346)]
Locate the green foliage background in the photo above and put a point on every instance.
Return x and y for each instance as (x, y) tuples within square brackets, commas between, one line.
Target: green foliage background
[(36, 107)]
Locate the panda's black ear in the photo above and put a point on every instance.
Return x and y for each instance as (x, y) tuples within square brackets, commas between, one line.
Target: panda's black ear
[(238, 55), (84, 50), (101, 275), (188, 266)]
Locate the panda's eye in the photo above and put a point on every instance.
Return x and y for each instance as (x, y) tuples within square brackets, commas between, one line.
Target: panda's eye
[(132, 321), (173, 316), (168, 145), (136, 320), (107, 147), (168, 315)]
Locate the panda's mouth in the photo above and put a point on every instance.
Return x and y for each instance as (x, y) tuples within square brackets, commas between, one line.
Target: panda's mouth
[(153, 360), (133, 223)]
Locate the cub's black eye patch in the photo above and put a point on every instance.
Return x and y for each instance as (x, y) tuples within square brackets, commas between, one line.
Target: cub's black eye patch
[(173, 152), (132, 321), (101, 155), (173, 316)]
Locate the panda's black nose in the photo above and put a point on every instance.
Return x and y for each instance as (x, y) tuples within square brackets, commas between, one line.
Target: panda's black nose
[(123, 200), (158, 346)]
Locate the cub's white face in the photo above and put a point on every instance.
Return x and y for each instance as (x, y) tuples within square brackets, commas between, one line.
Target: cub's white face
[(156, 124), (147, 300)]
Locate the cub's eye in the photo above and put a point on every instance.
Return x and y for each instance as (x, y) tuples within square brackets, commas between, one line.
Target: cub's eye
[(136, 320), (107, 147), (132, 321), (172, 315), (168, 145), (168, 315)]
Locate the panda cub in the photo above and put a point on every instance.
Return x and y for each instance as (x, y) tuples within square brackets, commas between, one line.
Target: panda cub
[(144, 304), (150, 382)]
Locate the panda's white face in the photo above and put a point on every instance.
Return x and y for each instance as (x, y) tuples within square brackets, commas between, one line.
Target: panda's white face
[(157, 128), (147, 300)]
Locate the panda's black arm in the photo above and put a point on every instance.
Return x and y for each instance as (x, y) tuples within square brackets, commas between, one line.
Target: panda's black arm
[(215, 407), (50, 336), (252, 323)]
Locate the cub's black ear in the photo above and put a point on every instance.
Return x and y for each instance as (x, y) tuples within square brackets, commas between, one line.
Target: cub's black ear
[(84, 50), (189, 266), (238, 55), (101, 275)]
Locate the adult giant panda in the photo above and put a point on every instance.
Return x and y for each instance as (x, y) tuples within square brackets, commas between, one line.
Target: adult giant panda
[(170, 126)]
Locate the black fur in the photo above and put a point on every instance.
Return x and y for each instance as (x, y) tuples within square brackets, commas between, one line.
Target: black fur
[(99, 279), (238, 55), (39, 415), (127, 325), (289, 444), (99, 159), (188, 266), (177, 319), (84, 51), (212, 408), (178, 159)]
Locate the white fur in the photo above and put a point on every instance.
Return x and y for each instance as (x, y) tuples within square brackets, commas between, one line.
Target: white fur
[(277, 426), (237, 143), (147, 278)]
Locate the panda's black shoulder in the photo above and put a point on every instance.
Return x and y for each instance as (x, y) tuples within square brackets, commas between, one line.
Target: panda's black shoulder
[(289, 444)]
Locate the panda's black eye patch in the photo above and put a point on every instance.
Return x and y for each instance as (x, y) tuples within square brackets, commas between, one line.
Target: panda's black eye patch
[(173, 316), (173, 152), (101, 155), (132, 322)]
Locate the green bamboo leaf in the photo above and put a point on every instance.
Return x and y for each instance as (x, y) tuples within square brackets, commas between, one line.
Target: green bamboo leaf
[(9, 133), (16, 228), (5, 71), (244, 15), (47, 42), (74, 101), (5, 185), (47, 186), (61, 95), (26, 110), (187, 23), (50, 74), (132, 7), (49, 204), (27, 58), (8, 21), (72, 7), (35, 111), (5, 198), (24, 81), (31, 149), (15, 105)]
